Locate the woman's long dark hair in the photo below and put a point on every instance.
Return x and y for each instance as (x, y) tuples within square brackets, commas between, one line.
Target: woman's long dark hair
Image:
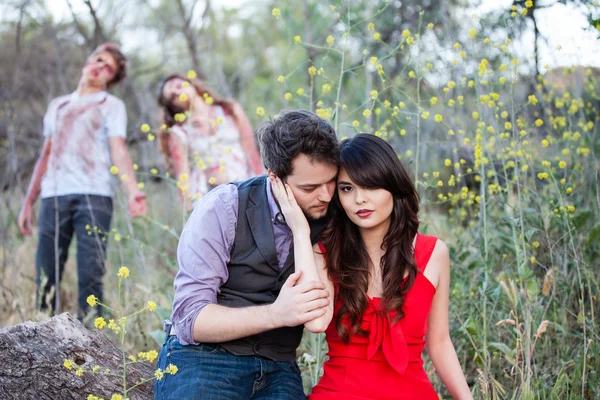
[(372, 163)]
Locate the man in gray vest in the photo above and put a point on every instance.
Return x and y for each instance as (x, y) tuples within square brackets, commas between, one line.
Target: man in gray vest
[(239, 307)]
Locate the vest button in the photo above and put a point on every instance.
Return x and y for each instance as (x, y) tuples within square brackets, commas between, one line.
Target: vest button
[(257, 347)]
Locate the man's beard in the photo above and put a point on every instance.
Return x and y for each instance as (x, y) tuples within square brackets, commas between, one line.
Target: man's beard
[(314, 213)]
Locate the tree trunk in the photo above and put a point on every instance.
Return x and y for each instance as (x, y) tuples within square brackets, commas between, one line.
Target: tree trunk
[(32, 356)]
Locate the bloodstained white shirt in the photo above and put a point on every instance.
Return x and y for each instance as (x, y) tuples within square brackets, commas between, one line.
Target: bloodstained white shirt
[(80, 159)]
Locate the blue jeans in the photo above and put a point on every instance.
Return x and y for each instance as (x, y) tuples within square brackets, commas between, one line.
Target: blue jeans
[(209, 372), (86, 216)]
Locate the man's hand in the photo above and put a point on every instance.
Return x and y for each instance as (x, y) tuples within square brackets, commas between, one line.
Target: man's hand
[(26, 219), (137, 204), (298, 304)]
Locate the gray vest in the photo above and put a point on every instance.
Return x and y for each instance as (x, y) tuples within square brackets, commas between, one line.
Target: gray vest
[(254, 274)]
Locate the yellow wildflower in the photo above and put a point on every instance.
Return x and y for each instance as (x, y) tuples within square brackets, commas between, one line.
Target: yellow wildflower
[(68, 364), (276, 13), (438, 118), (158, 374), (114, 170), (300, 92), (330, 40), (287, 96), (112, 325), (100, 323), (92, 300), (151, 305), (377, 36), (532, 99), (297, 39), (260, 111), (145, 128), (191, 74), (539, 122), (171, 369), (366, 113), (151, 355), (355, 123), (123, 272)]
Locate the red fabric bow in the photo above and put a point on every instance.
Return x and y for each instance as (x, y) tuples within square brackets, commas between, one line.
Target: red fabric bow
[(389, 337)]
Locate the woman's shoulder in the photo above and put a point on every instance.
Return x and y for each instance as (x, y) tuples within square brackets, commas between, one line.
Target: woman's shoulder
[(429, 249)]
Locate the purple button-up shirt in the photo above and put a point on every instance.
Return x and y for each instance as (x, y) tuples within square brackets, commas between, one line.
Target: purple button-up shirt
[(204, 251)]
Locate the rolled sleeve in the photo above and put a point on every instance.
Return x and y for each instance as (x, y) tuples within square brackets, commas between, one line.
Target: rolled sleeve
[(203, 254)]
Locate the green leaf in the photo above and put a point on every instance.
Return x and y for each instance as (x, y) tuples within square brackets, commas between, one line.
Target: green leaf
[(533, 289), (502, 348), (582, 218), (158, 335), (163, 313), (471, 327), (594, 235)]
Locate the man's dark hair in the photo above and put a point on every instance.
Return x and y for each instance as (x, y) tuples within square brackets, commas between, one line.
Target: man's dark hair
[(293, 133)]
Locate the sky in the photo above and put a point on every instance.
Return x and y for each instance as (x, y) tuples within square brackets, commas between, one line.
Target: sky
[(564, 27), (569, 43)]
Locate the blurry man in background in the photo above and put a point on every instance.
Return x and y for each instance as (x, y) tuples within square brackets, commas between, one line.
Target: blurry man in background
[(84, 141)]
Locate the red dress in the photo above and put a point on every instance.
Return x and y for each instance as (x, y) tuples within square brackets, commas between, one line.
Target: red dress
[(387, 363)]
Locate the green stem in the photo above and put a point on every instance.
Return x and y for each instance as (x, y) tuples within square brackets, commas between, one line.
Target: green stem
[(339, 91)]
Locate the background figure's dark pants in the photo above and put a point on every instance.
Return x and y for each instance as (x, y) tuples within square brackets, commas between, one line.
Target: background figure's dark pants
[(209, 372), (87, 216)]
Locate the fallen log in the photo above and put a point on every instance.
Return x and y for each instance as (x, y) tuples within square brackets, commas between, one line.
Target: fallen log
[(32, 356)]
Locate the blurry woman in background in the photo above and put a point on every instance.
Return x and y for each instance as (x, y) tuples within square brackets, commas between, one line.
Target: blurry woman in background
[(208, 140)]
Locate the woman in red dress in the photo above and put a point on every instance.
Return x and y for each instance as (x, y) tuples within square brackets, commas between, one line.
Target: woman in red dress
[(391, 283)]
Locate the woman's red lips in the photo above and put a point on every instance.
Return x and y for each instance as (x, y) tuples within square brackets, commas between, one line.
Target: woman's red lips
[(364, 213)]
